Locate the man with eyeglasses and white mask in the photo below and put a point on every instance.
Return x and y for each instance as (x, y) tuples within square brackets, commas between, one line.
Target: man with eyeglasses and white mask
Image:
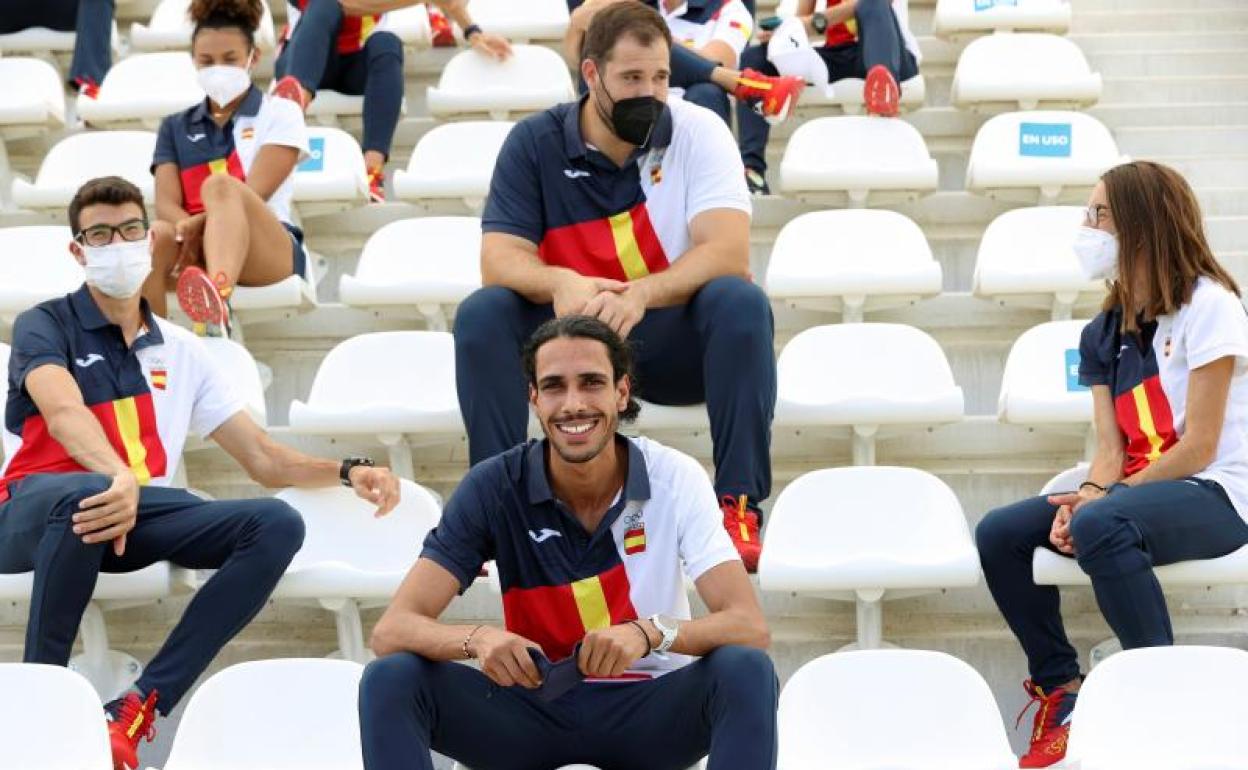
[(101, 395)]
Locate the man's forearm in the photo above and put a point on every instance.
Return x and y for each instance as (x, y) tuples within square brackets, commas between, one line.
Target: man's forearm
[(522, 272), (412, 632), (1180, 461), (280, 466), (701, 636), (698, 266), (79, 432)]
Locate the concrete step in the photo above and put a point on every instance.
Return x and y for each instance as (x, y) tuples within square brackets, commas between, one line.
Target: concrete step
[(1156, 6), (1177, 115), (1209, 171), (1093, 44), (1230, 15), (1223, 201), (1227, 234), (1171, 61), (1166, 90), (1204, 140)]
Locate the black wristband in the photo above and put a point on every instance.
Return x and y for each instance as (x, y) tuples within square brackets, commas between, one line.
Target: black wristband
[(470, 30), (344, 473), (1094, 485), (644, 635)]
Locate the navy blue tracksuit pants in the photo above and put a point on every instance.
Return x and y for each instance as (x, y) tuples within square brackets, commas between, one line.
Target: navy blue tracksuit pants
[(717, 349), (1118, 540), (724, 704), (91, 20), (248, 542), (311, 56)]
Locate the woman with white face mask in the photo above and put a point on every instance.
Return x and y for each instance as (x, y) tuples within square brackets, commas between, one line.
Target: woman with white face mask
[(1167, 364), (223, 173)]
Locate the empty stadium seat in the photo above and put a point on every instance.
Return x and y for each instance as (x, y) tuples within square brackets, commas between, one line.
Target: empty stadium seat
[(33, 98), (1023, 71), (351, 559), (865, 376), (58, 274), (819, 260), (1117, 724), (451, 166), (237, 364), (1049, 568), (522, 22), (87, 155), (411, 25), (867, 534), (962, 17), (388, 385), (1025, 259), (1060, 154), (292, 714), (332, 177), (886, 709), (1040, 385), (392, 274), (531, 79), (170, 28), (846, 93), (144, 88), (41, 40), (858, 157), (74, 739)]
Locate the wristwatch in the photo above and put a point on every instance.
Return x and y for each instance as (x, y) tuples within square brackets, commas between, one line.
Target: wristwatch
[(344, 473), (819, 22), (668, 628)]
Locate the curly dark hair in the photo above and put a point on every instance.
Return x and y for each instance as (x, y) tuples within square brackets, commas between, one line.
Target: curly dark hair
[(243, 15), (584, 327)]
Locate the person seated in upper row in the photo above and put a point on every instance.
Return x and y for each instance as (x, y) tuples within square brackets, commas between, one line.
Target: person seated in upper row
[(344, 45), (1167, 362), (711, 34), (223, 173), (90, 20), (868, 39), (632, 209)]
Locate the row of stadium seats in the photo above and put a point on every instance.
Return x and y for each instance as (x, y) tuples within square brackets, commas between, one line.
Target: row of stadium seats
[(296, 714)]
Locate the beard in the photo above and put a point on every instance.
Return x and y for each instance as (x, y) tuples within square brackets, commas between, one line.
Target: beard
[(607, 426)]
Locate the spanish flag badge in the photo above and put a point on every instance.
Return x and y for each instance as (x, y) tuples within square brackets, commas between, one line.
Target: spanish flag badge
[(160, 378), (634, 541)]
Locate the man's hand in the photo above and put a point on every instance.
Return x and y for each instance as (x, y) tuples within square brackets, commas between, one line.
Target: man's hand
[(505, 657), (572, 292), (110, 514), (621, 310), (608, 652), (189, 233), (496, 47), (377, 485), (1069, 504)]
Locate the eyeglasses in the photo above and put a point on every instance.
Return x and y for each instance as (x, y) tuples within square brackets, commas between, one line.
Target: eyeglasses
[(102, 235), (1092, 214)]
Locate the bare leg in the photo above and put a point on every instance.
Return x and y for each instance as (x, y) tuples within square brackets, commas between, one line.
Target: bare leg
[(373, 160), (243, 240), (164, 255)]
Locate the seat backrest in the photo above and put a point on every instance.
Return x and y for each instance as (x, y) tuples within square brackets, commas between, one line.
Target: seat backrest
[(889, 361), (894, 712), (334, 155), (459, 151), (236, 362), (91, 154), (31, 81), (341, 527), (1043, 368), (954, 16), (1025, 57), (1066, 481), (296, 714), (509, 14), (1117, 724), (51, 720), (167, 75), (449, 254), (58, 274), (905, 514), (1034, 247), (1041, 147), (528, 67), (171, 16), (855, 142), (409, 370)]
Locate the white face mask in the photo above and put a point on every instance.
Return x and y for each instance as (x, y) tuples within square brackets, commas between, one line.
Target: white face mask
[(224, 83), (118, 269), (1098, 253)]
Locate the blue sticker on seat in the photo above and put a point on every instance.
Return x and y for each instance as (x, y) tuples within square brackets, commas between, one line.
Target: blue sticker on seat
[(1072, 371), (1044, 140), (984, 5), (316, 155)]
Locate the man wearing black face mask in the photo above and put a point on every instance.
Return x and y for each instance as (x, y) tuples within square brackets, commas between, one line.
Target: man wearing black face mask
[(633, 210)]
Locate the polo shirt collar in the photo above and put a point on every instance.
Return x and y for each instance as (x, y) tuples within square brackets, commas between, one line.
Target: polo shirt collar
[(250, 107), (92, 318), (636, 484), (574, 143)]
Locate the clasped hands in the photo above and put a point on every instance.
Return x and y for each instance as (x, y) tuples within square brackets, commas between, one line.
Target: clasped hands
[(1069, 504), (605, 652), (618, 304)]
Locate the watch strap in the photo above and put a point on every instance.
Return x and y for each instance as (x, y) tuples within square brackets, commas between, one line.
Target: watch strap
[(344, 472)]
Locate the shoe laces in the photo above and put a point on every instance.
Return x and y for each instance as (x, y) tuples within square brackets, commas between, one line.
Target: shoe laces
[(737, 512), (136, 715), (1046, 716)]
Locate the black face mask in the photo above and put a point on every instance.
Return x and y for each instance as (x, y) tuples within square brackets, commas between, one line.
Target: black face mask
[(632, 120)]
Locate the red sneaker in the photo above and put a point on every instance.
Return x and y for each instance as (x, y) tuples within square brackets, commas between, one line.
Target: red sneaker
[(203, 301), (130, 719), (880, 93), (377, 185), (741, 521), (290, 88), (1051, 728), (87, 88), (774, 97), (440, 30)]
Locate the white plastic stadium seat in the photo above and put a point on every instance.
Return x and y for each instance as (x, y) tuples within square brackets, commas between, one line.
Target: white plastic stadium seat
[(1049, 568), (865, 376), (531, 79), (385, 384), (351, 559), (411, 25), (955, 17), (700, 766), (847, 94), (170, 28), (77, 738), (1040, 385), (58, 274), (1026, 258), (292, 714), (522, 22), (237, 362), (41, 40), (1054, 152), (818, 261), (858, 157), (867, 534), (88, 155), (898, 716), (442, 272), (144, 88), (453, 162), (1022, 71), (1116, 723), (33, 97), (333, 175)]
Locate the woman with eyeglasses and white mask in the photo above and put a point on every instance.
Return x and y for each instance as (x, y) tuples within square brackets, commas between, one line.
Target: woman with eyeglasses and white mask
[(1166, 361), (223, 173)]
